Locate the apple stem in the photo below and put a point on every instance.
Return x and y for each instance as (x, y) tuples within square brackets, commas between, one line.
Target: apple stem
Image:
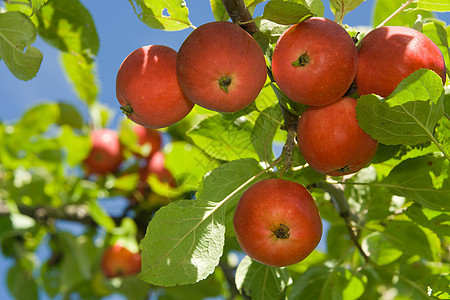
[(302, 61), (224, 83), (240, 15)]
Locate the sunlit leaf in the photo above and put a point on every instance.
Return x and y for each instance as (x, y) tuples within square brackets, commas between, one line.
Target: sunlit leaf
[(264, 131), (68, 26), (82, 74), (286, 12), (380, 249), (224, 140), (166, 15), (384, 8), (341, 7), (218, 10), (410, 113), (17, 33), (183, 243), (434, 5)]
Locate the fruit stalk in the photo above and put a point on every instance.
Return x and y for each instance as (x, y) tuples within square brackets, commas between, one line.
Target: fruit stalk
[(240, 15)]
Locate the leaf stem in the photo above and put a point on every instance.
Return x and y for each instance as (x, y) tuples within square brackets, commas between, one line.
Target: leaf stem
[(399, 10)]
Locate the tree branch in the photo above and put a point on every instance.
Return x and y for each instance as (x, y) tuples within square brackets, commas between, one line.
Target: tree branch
[(341, 205), (47, 214), (240, 15)]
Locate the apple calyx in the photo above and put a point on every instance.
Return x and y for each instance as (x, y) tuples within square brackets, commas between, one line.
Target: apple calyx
[(127, 109), (282, 232), (301, 61), (224, 83), (344, 170)]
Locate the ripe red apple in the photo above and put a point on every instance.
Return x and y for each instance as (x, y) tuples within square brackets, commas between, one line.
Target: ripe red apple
[(277, 222), (119, 261), (315, 62), (147, 87), (106, 153), (221, 67), (331, 141), (387, 55), (148, 136)]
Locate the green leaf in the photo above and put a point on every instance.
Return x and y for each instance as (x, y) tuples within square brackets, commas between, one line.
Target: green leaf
[(437, 33), (224, 140), (218, 10), (441, 287), (434, 5), (17, 33), (224, 180), (286, 12), (438, 222), (68, 26), (380, 249), (341, 7), (183, 243), (21, 283), (188, 163), (100, 216), (412, 239), (77, 146), (384, 8), (423, 179), (168, 15), (81, 73), (259, 281), (321, 282), (264, 131), (409, 115), (37, 4)]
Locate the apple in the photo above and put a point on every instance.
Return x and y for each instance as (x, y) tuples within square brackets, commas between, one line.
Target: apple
[(331, 140), (387, 55), (221, 67), (106, 152), (119, 261), (156, 165), (315, 62), (147, 87), (148, 137), (277, 222)]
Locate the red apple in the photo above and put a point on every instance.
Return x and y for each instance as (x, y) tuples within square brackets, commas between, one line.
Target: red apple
[(387, 55), (119, 261), (106, 153), (221, 67), (315, 62), (277, 222), (147, 87), (331, 141)]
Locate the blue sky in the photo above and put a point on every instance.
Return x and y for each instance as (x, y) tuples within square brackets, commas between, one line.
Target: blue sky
[(120, 32)]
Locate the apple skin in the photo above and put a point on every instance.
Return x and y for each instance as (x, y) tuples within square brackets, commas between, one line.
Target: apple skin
[(106, 154), (331, 140), (387, 55), (156, 165), (119, 261), (147, 87), (148, 136), (218, 50), (261, 210), (332, 66)]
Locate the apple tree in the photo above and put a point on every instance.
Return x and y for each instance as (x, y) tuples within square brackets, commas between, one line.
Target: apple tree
[(385, 217)]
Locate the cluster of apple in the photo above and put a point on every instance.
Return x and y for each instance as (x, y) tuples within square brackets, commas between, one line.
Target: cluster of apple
[(219, 66), (314, 63), (107, 155)]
